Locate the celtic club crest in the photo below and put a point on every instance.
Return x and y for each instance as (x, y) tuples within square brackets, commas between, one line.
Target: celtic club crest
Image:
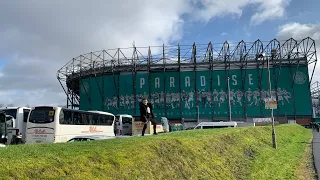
[(85, 87), (300, 77)]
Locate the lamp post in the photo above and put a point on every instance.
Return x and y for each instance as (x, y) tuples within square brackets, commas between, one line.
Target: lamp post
[(274, 142), (229, 99)]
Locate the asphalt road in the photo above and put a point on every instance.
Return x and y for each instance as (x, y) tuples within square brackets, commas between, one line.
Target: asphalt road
[(316, 150)]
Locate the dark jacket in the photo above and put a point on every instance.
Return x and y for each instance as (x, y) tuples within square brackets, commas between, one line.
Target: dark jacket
[(143, 111)]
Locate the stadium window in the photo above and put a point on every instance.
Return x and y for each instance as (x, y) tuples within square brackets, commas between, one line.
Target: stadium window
[(25, 115)]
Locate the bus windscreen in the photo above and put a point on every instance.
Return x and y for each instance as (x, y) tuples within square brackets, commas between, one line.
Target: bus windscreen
[(11, 112), (42, 115)]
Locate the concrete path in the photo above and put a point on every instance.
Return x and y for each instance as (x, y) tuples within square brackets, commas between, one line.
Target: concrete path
[(316, 150)]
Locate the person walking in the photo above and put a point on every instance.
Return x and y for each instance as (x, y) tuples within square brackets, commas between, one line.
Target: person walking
[(146, 113)]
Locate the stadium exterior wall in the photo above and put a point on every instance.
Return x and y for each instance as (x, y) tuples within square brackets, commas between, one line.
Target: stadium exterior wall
[(205, 88)]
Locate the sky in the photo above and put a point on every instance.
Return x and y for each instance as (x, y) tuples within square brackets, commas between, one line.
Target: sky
[(38, 37)]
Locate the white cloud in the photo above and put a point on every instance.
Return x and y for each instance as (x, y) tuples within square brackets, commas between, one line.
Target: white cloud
[(300, 31), (270, 9), (39, 37), (224, 33), (205, 10)]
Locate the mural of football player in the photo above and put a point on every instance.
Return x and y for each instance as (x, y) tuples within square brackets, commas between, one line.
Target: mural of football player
[(198, 94), (168, 99), (286, 95), (173, 100), (152, 98), (132, 101), (122, 103), (157, 99), (256, 95), (178, 104), (127, 101), (209, 98), (215, 95), (239, 95), (139, 97), (279, 94), (108, 103), (204, 99), (222, 97), (248, 94), (264, 95), (162, 99), (191, 99), (115, 102), (185, 99)]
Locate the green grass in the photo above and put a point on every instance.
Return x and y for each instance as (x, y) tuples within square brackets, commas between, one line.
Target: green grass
[(234, 153)]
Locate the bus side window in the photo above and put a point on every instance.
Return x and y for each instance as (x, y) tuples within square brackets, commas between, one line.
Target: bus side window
[(77, 118), (84, 117), (61, 117), (95, 119), (110, 120), (67, 117), (99, 119), (89, 119), (207, 127), (25, 115)]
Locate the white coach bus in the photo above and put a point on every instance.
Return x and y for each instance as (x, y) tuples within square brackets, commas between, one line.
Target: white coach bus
[(47, 124), (18, 122)]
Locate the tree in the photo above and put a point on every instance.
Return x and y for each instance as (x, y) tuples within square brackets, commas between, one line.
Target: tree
[(1, 105), (10, 105), (27, 106)]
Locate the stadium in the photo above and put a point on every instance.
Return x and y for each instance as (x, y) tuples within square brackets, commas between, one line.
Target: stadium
[(207, 82)]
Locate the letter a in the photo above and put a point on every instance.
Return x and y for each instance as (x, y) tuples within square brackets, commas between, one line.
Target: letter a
[(157, 82), (187, 81)]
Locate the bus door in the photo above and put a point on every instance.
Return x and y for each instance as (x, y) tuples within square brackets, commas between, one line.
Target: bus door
[(11, 129), (117, 126), (3, 129)]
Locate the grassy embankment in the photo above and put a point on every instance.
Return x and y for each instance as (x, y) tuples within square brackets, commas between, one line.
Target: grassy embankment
[(234, 153)]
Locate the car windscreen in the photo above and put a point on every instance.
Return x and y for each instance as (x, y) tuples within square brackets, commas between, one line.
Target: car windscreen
[(42, 115)]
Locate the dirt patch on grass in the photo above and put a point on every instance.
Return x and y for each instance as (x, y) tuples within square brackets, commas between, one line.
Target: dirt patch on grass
[(306, 170)]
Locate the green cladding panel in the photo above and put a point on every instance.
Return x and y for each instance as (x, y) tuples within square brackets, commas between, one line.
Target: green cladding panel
[(188, 94), (157, 88), (180, 94), (126, 98), (172, 95)]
